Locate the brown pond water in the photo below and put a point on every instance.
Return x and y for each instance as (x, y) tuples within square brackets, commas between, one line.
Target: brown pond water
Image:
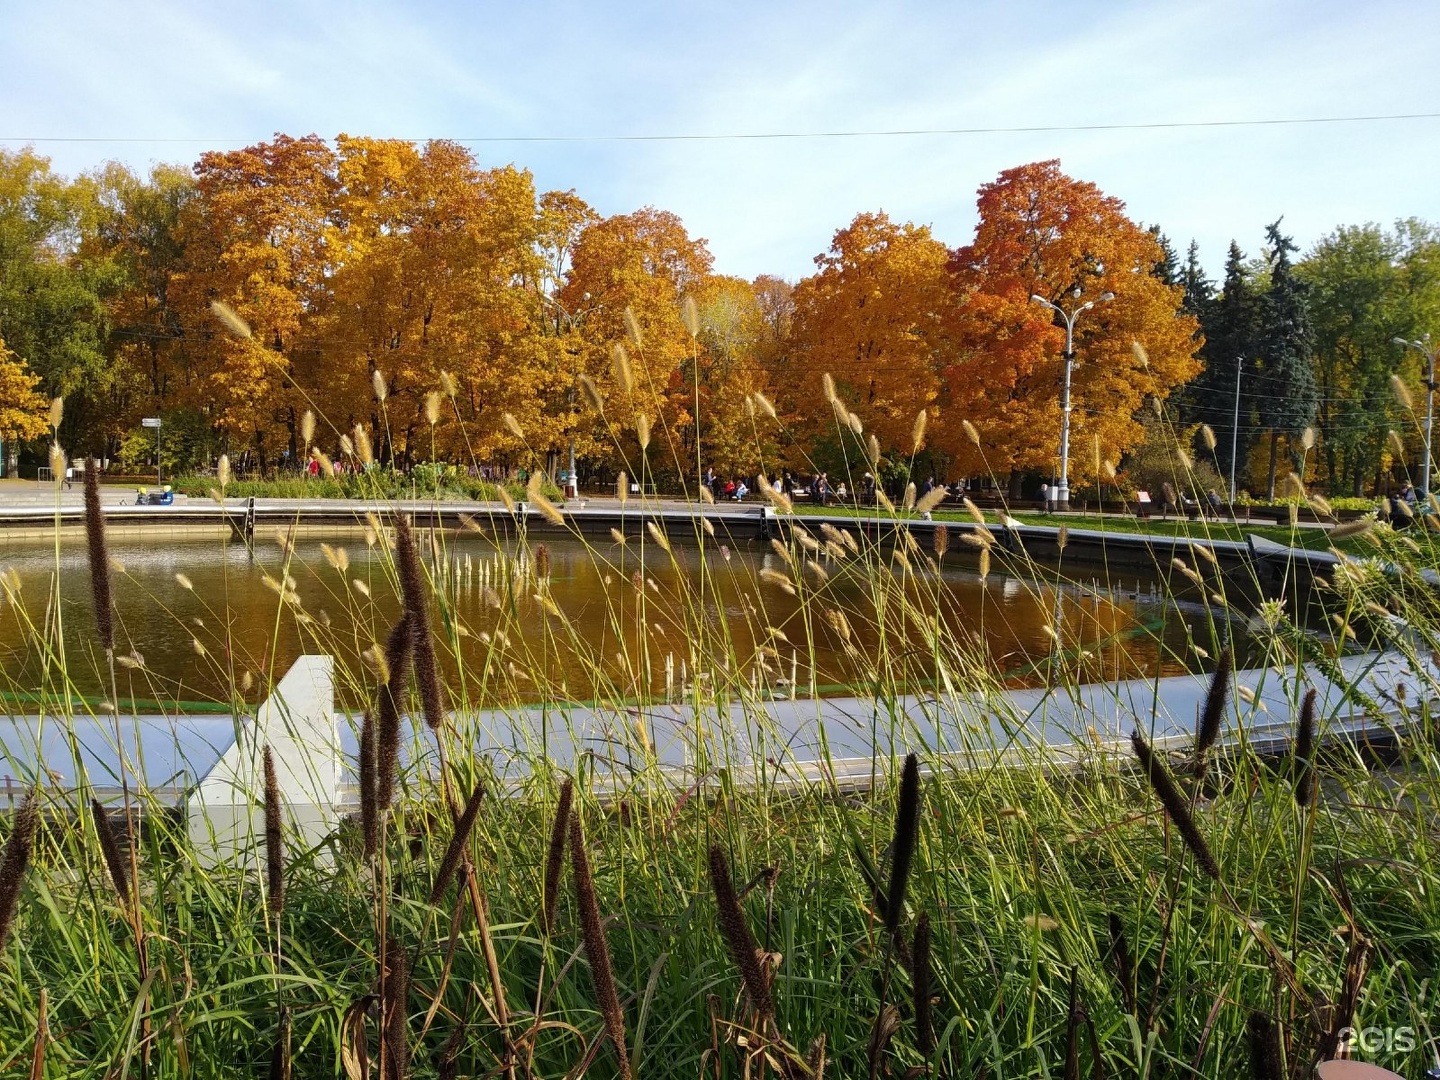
[(522, 651)]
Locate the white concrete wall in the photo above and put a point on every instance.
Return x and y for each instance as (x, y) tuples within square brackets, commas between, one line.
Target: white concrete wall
[(225, 811)]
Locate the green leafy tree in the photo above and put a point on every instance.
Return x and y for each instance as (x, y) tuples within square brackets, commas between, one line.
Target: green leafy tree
[(1231, 326)]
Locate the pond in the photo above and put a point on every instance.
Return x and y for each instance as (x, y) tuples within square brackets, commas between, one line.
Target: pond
[(210, 621)]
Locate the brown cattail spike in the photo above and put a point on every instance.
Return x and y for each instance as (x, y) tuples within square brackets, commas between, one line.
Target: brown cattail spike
[(1174, 803), (920, 983), (395, 1017), (369, 803), (417, 608), (744, 951), (15, 859), (99, 558), (274, 839), (597, 949), (110, 850), (1207, 731), (902, 844), (387, 715), (1304, 752), (1263, 1038), (280, 1055), (555, 856), (464, 825), (1124, 966)]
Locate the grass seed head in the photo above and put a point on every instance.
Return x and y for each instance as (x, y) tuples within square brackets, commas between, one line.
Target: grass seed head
[(624, 373), (1175, 804), (1207, 731), (229, 319), (597, 949), (902, 842), (432, 407), (690, 316), (416, 599), (555, 857), (110, 851), (274, 839), (1304, 750), (1401, 390), (739, 940), (377, 383), (920, 984), (18, 848), (450, 861), (632, 328)]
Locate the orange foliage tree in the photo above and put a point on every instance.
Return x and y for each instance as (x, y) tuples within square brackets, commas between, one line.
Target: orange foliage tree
[(872, 317), (1043, 233)]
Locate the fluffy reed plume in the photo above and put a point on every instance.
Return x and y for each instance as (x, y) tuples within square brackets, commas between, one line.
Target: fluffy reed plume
[(536, 498), (917, 431), (1141, 356), (941, 540), (657, 534), (592, 393), (632, 327), (984, 568), (1207, 435), (1304, 750), (222, 472), (1174, 803), (1124, 966), (910, 495), (1262, 1038), (744, 950), (765, 405), (620, 364), (369, 802), (417, 611), (1351, 529), (377, 383), (855, 423), (432, 407), (447, 384), (1207, 729), (931, 499), (464, 826), (920, 983), (363, 450), (1397, 445), (274, 839), (827, 386), (1401, 392), (872, 450), (622, 487), (597, 949), (542, 561), (387, 715), (902, 843), (970, 432), (555, 857), (99, 553), (394, 1011), (57, 413), (17, 856), (229, 319), (690, 316), (642, 430), (1307, 439), (110, 851), (512, 425), (307, 427)]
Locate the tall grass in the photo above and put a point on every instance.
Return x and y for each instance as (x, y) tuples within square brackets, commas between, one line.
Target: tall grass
[(969, 902)]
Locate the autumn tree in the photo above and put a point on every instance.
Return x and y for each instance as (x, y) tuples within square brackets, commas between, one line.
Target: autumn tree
[(24, 410), (871, 317), (1043, 233), (644, 263)]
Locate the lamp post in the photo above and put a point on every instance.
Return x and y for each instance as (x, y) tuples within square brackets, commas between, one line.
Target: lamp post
[(1423, 347), (570, 323), (1062, 488)]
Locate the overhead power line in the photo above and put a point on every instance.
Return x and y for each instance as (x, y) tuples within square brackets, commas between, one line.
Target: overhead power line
[(1161, 125)]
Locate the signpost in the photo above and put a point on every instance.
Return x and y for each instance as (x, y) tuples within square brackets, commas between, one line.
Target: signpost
[(154, 421)]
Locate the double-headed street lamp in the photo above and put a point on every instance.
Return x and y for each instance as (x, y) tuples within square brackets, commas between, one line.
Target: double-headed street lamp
[(1423, 347), (1062, 489)]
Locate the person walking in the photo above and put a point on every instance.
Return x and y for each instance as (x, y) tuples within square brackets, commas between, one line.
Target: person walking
[(1045, 497)]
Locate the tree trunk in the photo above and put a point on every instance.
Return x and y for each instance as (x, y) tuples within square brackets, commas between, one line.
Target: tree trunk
[(1274, 450), (1016, 477)]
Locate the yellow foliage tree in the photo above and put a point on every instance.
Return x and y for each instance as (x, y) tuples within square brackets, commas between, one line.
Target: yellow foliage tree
[(24, 411)]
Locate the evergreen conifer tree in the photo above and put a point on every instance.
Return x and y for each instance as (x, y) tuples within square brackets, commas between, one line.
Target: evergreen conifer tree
[(1286, 376)]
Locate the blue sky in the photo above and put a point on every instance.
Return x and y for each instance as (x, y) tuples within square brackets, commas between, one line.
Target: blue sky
[(225, 74)]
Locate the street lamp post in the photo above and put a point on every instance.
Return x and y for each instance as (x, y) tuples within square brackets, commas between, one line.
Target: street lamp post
[(1423, 347), (1062, 488), (570, 322)]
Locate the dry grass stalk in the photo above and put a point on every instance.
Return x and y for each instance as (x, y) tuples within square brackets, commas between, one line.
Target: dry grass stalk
[(1174, 803), (886, 1024), (464, 826), (1124, 965), (417, 611), (597, 949), (1304, 750), (99, 553), (274, 839), (902, 842), (1207, 731), (17, 856), (1073, 1017), (42, 1031), (816, 1061), (110, 851), (555, 857), (920, 984), (739, 940)]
